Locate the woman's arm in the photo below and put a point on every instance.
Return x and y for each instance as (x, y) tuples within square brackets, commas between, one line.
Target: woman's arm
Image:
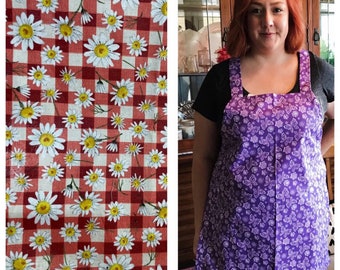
[(206, 146), (328, 129)]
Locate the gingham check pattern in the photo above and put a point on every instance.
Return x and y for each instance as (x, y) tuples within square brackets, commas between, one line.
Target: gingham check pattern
[(56, 255)]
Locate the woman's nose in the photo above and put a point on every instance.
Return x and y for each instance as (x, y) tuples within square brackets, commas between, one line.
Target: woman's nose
[(267, 19)]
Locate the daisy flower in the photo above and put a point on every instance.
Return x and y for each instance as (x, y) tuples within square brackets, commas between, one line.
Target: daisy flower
[(155, 158), (25, 90), (86, 17), (165, 109), (73, 119), (84, 97), (18, 261), (151, 237), (113, 20), (159, 11), (68, 191), (159, 267), (18, 157), (116, 210), (127, 3), (117, 121), (43, 209), (84, 206), (146, 106), (94, 178), (72, 158), (47, 139), (164, 139), (163, 181), (67, 76), (50, 95), (142, 72), (122, 92), (133, 149), (25, 112), (143, 210), (40, 240), (67, 30), (53, 172), (26, 31), (13, 232), (139, 130), (91, 140), (161, 214), (47, 6), (162, 53), (101, 51), (119, 167), (137, 183), (122, 262), (51, 55), (112, 146), (67, 265), (162, 85), (87, 256), (38, 76), (124, 240), (70, 232), (22, 181), (100, 87), (92, 226), (137, 45), (12, 135)]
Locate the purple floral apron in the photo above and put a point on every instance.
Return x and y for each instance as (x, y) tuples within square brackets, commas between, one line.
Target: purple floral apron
[(267, 205)]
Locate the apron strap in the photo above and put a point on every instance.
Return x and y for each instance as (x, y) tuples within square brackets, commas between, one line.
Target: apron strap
[(304, 76), (235, 77)]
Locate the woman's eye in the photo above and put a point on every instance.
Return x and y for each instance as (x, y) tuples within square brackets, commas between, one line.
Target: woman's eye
[(277, 10), (256, 11)]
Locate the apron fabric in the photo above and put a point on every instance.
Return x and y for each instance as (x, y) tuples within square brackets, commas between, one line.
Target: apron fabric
[(267, 205)]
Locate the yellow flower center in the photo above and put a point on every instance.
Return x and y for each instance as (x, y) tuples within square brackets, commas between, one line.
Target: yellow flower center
[(50, 92), (85, 204), (70, 232), (146, 107), (111, 20), (138, 129), (47, 3), (136, 183), (51, 54), (164, 9), (93, 177), (151, 237), (118, 120), (18, 156), (163, 212), (155, 158), (67, 77), (122, 92), (163, 53), (116, 266), (114, 211), (26, 31), (83, 97), (7, 197), (38, 75), (124, 241), (11, 230), (136, 45), (162, 84), (40, 240), (90, 226), (52, 172), (118, 167), (90, 142), (132, 148), (165, 179), (69, 158), (142, 72), (86, 254), (8, 135), (21, 181), (46, 139), (101, 50), (65, 30), (66, 268), (72, 118), (27, 112), (19, 264), (43, 208)]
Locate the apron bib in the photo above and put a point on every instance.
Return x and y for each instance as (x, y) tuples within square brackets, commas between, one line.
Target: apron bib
[(267, 205)]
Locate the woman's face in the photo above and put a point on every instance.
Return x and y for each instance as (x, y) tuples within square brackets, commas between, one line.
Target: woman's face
[(267, 25)]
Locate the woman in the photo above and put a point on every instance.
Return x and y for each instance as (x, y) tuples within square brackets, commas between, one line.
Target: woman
[(259, 184)]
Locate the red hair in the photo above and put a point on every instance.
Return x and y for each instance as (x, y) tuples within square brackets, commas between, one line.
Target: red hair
[(237, 40)]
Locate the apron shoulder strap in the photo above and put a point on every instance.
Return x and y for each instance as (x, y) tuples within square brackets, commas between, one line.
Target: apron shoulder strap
[(304, 71), (235, 77)]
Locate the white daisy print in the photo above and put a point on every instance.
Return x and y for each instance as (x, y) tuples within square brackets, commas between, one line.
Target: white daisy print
[(143, 210), (137, 183), (18, 261), (25, 90), (163, 181), (101, 51), (84, 97), (13, 232), (52, 55), (53, 172), (119, 167), (66, 30), (139, 130), (72, 158), (25, 112), (43, 209), (164, 139), (122, 92), (162, 53), (142, 72), (112, 146), (162, 85), (146, 106), (127, 3), (124, 240), (136, 45), (18, 157), (70, 232), (40, 240), (50, 95), (159, 11), (91, 142), (100, 87), (73, 119), (161, 214), (47, 5), (67, 265), (155, 158), (11, 197), (92, 226), (38, 75), (22, 181), (26, 31), (47, 139), (122, 262), (133, 149), (84, 206), (117, 121), (69, 190), (87, 256), (67, 76), (165, 109), (116, 210), (151, 237), (112, 20), (12, 135), (94, 178), (86, 17)]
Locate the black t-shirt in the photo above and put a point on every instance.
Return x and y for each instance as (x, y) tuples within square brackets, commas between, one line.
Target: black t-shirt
[(215, 93)]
